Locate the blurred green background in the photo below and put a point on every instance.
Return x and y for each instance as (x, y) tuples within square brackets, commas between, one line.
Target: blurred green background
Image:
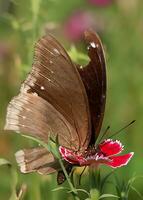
[(120, 26)]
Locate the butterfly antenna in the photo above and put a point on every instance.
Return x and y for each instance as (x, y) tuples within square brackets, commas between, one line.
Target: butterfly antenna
[(103, 135), (126, 126)]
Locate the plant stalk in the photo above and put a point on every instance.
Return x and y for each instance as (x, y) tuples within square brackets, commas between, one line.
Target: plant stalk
[(94, 192), (73, 190)]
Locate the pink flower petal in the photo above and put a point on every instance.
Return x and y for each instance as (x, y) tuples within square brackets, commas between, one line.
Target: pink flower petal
[(71, 156), (119, 161), (110, 147)]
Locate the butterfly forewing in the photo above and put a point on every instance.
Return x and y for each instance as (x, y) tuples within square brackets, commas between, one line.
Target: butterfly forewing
[(52, 99), (94, 79), (33, 115)]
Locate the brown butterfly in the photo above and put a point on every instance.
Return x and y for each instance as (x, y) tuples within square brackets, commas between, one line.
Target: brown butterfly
[(60, 98)]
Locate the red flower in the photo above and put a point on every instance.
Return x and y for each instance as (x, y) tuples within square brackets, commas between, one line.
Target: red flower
[(105, 153), (101, 2)]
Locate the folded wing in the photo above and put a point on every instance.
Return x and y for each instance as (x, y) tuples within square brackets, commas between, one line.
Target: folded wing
[(94, 78), (56, 97), (52, 101)]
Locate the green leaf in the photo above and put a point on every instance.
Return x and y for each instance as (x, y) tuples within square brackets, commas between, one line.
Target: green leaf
[(59, 188), (53, 147), (108, 196), (82, 190), (36, 140), (138, 193), (123, 188), (104, 180)]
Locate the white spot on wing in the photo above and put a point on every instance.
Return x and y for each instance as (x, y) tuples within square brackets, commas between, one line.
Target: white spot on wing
[(42, 88), (56, 51), (93, 44)]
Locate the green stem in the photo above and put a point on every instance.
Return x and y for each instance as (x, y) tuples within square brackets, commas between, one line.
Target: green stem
[(35, 8), (73, 190), (94, 192)]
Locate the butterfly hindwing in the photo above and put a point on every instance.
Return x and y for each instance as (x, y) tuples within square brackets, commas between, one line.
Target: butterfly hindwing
[(94, 78)]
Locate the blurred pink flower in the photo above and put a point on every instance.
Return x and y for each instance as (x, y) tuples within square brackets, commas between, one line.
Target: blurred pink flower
[(77, 24), (100, 2)]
